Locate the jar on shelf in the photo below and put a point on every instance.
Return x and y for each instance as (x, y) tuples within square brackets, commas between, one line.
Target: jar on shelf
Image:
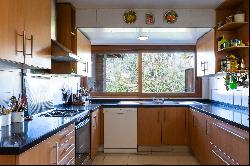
[(229, 19), (239, 16)]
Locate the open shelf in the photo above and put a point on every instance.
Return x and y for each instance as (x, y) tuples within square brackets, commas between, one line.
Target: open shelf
[(231, 26), (233, 48)]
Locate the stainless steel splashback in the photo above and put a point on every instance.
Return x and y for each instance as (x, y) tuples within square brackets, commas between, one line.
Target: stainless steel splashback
[(38, 92)]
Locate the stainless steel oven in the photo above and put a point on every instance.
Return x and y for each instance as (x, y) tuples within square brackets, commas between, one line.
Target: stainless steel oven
[(83, 141)]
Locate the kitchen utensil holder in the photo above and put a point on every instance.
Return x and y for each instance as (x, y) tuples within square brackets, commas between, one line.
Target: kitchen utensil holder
[(5, 120), (17, 117)]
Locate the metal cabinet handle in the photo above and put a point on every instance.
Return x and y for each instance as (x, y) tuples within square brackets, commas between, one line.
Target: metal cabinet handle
[(23, 35), (229, 131), (57, 147), (31, 45), (69, 133), (72, 158), (220, 158), (72, 33)]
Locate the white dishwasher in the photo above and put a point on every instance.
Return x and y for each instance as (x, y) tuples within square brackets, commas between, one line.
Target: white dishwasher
[(120, 130)]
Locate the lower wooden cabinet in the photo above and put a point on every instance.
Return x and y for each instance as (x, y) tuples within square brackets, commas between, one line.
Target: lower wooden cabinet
[(232, 142), (199, 141), (162, 126), (56, 150), (95, 132)]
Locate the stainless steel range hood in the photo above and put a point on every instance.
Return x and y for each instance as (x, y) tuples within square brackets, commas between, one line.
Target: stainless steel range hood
[(61, 53)]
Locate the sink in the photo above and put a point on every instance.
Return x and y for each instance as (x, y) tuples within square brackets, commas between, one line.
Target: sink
[(188, 102), (129, 102)]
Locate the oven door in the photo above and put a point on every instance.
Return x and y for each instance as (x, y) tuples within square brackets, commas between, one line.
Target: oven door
[(83, 142)]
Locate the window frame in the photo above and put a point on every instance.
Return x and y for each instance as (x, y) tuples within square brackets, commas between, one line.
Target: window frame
[(140, 50)]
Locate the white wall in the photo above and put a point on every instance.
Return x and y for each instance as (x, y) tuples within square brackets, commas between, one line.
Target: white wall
[(113, 18), (217, 91)]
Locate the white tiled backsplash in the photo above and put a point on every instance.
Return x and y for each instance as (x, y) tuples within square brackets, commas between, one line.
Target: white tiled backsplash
[(213, 88)]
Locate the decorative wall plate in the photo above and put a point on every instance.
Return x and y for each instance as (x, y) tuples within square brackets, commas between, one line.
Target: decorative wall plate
[(129, 16), (149, 18), (170, 16)]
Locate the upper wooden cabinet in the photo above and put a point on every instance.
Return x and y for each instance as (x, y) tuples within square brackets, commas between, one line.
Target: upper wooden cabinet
[(66, 28), (83, 66), (162, 126), (28, 33), (206, 54), (38, 25)]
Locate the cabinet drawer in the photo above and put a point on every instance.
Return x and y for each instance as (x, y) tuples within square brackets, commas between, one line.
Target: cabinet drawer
[(65, 134), (231, 140), (69, 158), (219, 158), (65, 148)]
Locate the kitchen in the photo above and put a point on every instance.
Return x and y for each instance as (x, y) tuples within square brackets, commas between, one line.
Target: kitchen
[(124, 83)]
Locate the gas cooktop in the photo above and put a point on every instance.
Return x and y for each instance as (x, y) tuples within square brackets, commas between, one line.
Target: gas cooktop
[(62, 113)]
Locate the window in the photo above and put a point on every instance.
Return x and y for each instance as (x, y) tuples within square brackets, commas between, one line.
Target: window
[(144, 72), (119, 73), (164, 72)]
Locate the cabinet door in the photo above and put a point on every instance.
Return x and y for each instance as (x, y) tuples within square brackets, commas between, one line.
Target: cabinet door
[(66, 34), (43, 153), (149, 126), (95, 132), (174, 130), (15, 26), (4, 29), (200, 141), (38, 24), (206, 54), (84, 52)]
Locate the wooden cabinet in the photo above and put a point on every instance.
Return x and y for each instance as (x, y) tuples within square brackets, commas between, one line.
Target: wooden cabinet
[(66, 28), (199, 141), (206, 54), (4, 29), (149, 126), (232, 30), (30, 17), (229, 144), (95, 132), (174, 128), (162, 126), (83, 66), (38, 25), (58, 149)]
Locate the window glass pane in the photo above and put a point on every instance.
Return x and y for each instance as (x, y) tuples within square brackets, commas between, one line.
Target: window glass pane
[(120, 72), (165, 72)]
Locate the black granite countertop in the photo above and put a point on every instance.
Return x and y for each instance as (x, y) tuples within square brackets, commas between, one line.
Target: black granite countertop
[(19, 137), (231, 114)]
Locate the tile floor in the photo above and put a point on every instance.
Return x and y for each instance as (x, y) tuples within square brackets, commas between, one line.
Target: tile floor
[(146, 158)]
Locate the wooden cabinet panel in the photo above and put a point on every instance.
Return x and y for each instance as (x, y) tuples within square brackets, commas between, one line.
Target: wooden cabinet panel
[(95, 132), (66, 33), (174, 126), (4, 29), (149, 126), (15, 26), (206, 54), (38, 24), (199, 136), (221, 134), (7, 160)]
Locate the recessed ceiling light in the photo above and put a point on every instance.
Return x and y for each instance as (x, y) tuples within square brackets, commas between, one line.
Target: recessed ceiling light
[(142, 38)]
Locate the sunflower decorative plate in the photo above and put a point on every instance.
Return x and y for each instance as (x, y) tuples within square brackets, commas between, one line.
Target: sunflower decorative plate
[(170, 16), (129, 16)]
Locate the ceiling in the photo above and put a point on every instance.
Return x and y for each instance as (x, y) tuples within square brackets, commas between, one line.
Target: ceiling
[(144, 4), (157, 36)]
